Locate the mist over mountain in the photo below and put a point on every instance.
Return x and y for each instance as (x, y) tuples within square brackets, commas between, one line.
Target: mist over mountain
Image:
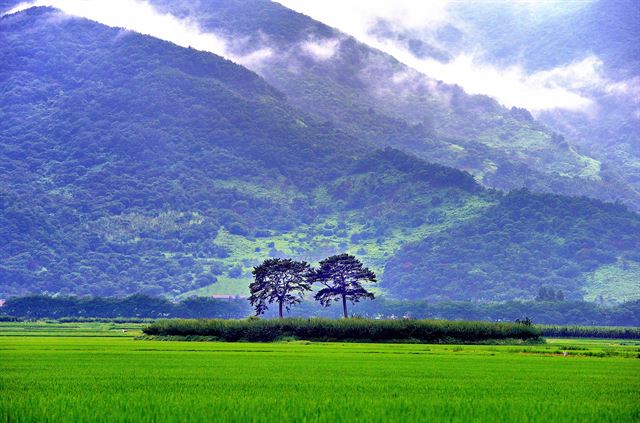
[(588, 46), (574, 65), (131, 164), (374, 96)]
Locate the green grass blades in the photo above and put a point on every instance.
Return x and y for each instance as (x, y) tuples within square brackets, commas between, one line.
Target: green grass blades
[(120, 379)]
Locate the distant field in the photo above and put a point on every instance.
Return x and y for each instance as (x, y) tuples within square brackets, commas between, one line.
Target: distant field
[(97, 372)]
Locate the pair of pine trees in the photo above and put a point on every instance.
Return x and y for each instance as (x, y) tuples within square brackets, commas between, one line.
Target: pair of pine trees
[(285, 281)]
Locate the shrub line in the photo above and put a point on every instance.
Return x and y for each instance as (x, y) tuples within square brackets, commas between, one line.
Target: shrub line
[(344, 330)]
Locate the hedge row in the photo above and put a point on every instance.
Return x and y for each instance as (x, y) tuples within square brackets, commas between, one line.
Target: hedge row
[(353, 330), (611, 332)]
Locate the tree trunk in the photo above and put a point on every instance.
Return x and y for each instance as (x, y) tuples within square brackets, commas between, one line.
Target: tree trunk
[(280, 308), (344, 306)]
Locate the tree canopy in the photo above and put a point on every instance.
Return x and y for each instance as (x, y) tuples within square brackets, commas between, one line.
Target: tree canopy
[(342, 277), (282, 281)]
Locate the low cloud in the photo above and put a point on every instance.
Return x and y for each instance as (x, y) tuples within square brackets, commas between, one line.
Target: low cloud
[(511, 86), (256, 59), (356, 17), (568, 87), (321, 50)]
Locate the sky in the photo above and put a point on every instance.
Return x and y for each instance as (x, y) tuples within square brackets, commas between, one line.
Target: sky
[(566, 87)]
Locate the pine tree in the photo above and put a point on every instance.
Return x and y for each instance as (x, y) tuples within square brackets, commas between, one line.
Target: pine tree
[(282, 281), (341, 276)]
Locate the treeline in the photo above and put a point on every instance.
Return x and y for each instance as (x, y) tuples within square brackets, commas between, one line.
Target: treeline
[(540, 312), (590, 332), (354, 330), (139, 306)]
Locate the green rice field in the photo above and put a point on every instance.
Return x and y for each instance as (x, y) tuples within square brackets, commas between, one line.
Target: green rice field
[(95, 372)]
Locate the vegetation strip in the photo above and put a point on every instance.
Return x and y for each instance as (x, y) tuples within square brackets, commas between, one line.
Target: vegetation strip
[(591, 332), (350, 330), (140, 307)]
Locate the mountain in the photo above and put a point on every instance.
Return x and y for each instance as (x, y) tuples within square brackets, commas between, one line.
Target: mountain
[(553, 35), (123, 157), (129, 164), (598, 41), (525, 240), (374, 97)]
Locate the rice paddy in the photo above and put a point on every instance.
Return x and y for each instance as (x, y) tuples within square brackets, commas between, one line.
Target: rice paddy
[(96, 372)]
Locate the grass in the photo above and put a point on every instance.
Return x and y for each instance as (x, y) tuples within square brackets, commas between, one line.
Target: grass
[(531, 142), (615, 282), (93, 329), (223, 286), (95, 378)]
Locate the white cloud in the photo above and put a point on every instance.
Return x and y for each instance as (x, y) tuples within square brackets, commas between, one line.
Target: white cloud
[(141, 17), (565, 87), (356, 17), (585, 74), (511, 86), (256, 59), (629, 88), (321, 50)]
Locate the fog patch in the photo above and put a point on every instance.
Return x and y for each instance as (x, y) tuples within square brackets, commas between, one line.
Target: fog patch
[(321, 50), (256, 59)]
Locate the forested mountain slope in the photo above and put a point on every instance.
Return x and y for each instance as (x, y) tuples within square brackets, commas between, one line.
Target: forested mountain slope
[(123, 156), (128, 164), (526, 240), (370, 94), (598, 40)]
